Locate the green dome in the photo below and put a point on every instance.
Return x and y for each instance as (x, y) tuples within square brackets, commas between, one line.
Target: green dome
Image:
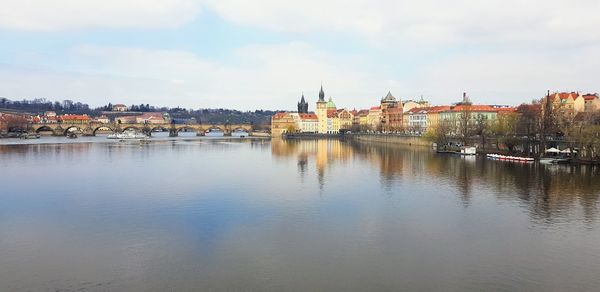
[(330, 104)]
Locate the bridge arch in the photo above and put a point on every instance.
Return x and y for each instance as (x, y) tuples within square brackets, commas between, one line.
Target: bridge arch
[(131, 128), (102, 128), (45, 129), (71, 127)]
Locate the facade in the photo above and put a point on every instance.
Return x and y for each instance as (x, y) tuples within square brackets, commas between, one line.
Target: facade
[(374, 119), (410, 104), (308, 123), (591, 102), (119, 108), (567, 104), (455, 113), (322, 112), (346, 119), (391, 113), (152, 118), (103, 119), (416, 119), (281, 123), (75, 119)]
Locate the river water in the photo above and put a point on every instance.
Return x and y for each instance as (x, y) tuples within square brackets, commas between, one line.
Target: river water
[(193, 214)]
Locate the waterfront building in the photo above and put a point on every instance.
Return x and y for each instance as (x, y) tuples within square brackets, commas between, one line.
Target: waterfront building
[(455, 114), (345, 118), (410, 104), (119, 108), (374, 119), (391, 113), (308, 123), (433, 116), (282, 122), (322, 112), (416, 120)]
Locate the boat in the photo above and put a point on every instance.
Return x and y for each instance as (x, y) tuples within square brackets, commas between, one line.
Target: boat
[(29, 136), (509, 158), (468, 150), (71, 135), (127, 135)]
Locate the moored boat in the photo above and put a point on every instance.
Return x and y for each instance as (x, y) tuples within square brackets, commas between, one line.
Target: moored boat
[(29, 136), (509, 158), (127, 135)]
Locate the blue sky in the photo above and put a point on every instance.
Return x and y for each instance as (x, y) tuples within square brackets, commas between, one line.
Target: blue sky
[(265, 54)]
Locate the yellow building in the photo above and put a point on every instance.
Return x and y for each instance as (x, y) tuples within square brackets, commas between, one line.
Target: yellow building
[(322, 112), (281, 123)]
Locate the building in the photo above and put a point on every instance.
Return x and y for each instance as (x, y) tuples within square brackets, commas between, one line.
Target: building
[(308, 123), (374, 119), (302, 106), (346, 119), (119, 108), (102, 119), (591, 102), (455, 114), (74, 119), (282, 122), (153, 118), (322, 112), (410, 104), (391, 113), (416, 120), (566, 104)]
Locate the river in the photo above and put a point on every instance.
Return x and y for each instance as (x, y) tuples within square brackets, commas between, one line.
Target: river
[(199, 214)]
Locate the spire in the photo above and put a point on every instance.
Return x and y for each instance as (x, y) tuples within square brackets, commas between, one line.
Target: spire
[(302, 99), (321, 94)]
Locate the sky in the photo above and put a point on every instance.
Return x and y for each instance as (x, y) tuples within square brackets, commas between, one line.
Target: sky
[(265, 54)]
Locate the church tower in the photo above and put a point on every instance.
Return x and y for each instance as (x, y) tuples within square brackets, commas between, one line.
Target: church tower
[(302, 106), (322, 112)]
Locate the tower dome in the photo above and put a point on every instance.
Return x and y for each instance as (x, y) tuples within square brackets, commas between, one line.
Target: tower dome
[(330, 104)]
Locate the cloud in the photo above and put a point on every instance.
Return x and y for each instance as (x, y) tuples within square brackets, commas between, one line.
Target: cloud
[(42, 15), (397, 22), (254, 76)]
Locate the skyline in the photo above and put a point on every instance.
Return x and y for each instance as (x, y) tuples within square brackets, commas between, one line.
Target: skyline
[(232, 54)]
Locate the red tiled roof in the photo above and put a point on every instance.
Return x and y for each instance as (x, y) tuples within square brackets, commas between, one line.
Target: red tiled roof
[(279, 115), (506, 109), (375, 108), (75, 118), (590, 96), (473, 108), (564, 95), (310, 116)]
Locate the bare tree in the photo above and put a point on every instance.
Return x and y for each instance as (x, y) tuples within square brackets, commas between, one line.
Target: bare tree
[(464, 124)]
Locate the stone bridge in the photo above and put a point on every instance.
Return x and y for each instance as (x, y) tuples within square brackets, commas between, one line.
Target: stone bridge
[(89, 129)]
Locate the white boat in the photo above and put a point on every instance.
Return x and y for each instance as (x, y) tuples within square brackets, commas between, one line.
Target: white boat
[(468, 150), (510, 158), (127, 135)]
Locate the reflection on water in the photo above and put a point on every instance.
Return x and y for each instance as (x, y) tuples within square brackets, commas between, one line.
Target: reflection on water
[(231, 214)]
